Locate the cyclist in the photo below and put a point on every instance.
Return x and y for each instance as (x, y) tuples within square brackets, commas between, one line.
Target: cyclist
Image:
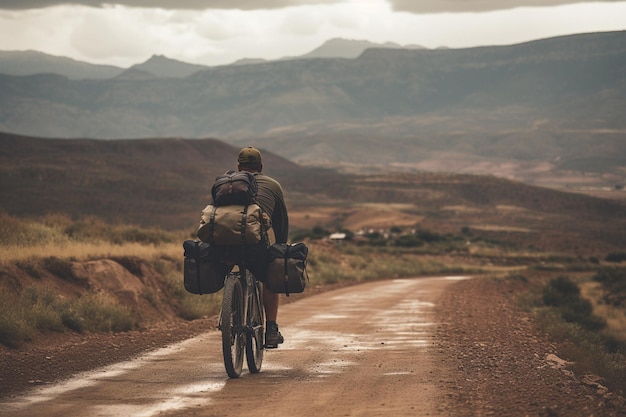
[(270, 198)]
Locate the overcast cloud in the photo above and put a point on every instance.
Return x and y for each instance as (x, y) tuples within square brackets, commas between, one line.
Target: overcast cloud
[(427, 6), (217, 32)]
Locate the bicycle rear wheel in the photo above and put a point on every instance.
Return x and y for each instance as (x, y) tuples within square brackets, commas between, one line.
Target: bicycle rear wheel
[(256, 333), (233, 334)]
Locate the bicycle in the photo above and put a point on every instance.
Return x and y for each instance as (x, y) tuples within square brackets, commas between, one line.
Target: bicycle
[(241, 322)]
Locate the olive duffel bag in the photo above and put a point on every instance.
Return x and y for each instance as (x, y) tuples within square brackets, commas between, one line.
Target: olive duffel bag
[(287, 268)]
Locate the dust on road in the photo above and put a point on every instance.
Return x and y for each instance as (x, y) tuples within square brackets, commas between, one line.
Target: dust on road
[(365, 350)]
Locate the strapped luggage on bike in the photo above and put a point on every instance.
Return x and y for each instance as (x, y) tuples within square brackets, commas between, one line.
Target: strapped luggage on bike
[(202, 272), (234, 188), (287, 268), (233, 229), (233, 225)]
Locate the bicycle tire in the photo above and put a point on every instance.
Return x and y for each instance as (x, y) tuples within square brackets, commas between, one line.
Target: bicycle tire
[(255, 340), (233, 334)]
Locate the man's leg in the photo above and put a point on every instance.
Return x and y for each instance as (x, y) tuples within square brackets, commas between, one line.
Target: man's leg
[(272, 336), (270, 301)]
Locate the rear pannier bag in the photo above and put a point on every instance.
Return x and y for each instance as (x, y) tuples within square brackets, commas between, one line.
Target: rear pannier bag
[(234, 188), (233, 225), (202, 271), (287, 268)]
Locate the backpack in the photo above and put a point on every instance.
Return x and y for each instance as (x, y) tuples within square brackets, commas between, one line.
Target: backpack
[(234, 187), (287, 268)]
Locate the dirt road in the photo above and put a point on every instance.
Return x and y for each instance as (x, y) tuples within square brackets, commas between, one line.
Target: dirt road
[(410, 347), (363, 350)]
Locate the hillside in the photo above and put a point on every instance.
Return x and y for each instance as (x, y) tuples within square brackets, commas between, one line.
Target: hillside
[(555, 101), (160, 182), (21, 63), (166, 182)]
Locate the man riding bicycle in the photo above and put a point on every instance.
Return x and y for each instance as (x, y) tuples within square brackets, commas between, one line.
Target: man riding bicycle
[(270, 198)]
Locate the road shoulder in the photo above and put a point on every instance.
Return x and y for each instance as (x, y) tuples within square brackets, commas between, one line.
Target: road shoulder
[(498, 363)]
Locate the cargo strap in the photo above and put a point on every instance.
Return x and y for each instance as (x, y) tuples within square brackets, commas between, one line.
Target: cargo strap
[(212, 224), (286, 281), (197, 258), (243, 224)]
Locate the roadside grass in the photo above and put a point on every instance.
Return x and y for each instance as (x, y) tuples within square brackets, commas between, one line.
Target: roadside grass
[(39, 310), (590, 334), (333, 265)]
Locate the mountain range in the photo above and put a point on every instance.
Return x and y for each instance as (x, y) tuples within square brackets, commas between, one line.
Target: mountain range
[(159, 66), (556, 101)]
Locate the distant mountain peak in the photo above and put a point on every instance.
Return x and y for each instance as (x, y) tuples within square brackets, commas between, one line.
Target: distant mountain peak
[(160, 58), (351, 48), (162, 66)]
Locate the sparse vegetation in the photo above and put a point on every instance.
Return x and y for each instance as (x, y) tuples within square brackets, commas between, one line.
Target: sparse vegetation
[(39, 309), (29, 309), (613, 281), (584, 336)]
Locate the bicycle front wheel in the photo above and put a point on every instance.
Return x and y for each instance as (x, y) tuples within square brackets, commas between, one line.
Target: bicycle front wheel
[(254, 342), (233, 334)]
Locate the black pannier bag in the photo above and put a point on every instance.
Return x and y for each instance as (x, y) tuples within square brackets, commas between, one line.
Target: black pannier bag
[(202, 270), (234, 188), (287, 268)]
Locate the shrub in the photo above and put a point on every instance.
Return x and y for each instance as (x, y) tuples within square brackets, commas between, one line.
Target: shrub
[(59, 267), (102, 313), (139, 235), (30, 266), (564, 295), (515, 276), (39, 309), (611, 277), (428, 236), (14, 329), (317, 232), (197, 306), (408, 241), (89, 228), (616, 257), (45, 310), (613, 281)]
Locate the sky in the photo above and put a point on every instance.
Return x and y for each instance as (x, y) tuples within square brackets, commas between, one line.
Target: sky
[(220, 32)]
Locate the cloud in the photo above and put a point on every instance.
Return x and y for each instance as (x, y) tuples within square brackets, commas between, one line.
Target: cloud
[(422, 6), (123, 36), (165, 4), (458, 6)]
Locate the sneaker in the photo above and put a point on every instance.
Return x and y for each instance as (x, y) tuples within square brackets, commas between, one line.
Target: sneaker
[(272, 336)]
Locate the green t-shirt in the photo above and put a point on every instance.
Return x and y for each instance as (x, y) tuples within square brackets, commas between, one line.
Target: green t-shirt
[(270, 198)]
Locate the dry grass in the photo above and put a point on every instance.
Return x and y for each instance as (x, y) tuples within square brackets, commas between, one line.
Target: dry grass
[(90, 250)]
